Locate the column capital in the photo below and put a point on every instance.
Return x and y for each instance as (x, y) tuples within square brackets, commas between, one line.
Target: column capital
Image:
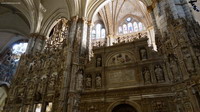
[(37, 35), (74, 18), (89, 23)]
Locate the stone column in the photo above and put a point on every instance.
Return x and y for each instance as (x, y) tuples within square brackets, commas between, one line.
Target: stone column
[(80, 50), (64, 99), (89, 40), (157, 33), (36, 43)]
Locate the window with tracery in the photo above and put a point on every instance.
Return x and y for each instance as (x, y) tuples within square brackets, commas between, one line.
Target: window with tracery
[(98, 32), (10, 61), (130, 25), (125, 30)]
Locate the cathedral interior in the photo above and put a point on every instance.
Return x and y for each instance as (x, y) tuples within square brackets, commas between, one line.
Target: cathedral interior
[(99, 56)]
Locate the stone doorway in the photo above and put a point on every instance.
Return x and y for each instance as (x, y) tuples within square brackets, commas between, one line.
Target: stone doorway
[(124, 108)]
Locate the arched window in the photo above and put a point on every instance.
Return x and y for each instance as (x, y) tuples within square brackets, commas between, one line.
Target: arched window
[(144, 28), (98, 31), (135, 25), (125, 30), (18, 50), (93, 34), (140, 26), (103, 33), (130, 27), (120, 30)]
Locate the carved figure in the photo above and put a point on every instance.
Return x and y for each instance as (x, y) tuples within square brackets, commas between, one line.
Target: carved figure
[(120, 59), (174, 69), (80, 80), (143, 54), (99, 62), (127, 58), (159, 74), (147, 75), (88, 82), (188, 60), (98, 80)]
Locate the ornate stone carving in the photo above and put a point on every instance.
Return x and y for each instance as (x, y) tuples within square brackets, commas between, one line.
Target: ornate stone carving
[(143, 54), (88, 81), (188, 60), (159, 73), (120, 58), (98, 81), (98, 61), (79, 83), (174, 68), (147, 75)]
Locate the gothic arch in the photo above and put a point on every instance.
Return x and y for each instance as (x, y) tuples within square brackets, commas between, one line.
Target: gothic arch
[(111, 55), (96, 6), (131, 103), (52, 20)]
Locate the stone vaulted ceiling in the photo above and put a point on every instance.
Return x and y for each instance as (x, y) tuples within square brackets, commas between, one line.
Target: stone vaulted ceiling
[(38, 16), (116, 11)]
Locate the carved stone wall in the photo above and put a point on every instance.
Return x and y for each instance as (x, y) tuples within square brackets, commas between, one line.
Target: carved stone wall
[(131, 73)]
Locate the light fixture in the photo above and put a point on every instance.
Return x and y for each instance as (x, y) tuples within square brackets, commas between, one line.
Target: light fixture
[(192, 2)]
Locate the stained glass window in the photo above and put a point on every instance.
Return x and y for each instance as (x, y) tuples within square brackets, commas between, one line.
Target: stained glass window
[(140, 26), (135, 25), (128, 19), (103, 33), (93, 34), (130, 27), (98, 31), (125, 30), (120, 30)]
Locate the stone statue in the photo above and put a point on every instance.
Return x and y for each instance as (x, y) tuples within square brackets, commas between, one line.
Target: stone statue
[(174, 69), (79, 80), (159, 74), (143, 54), (88, 82), (99, 62), (188, 60), (120, 59), (127, 58), (147, 75), (98, 80)]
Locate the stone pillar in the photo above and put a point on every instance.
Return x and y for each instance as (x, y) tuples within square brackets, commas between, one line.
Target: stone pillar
[(36, 43), (157, 33), (63, 100), (89, 40), (80, 52)]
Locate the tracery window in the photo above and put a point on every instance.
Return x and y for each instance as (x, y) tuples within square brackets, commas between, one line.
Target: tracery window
[(140, 26), (135, 25), (10, 61), (120, 30), (125, 30), (103, 33), (98, 32), (130, 25)]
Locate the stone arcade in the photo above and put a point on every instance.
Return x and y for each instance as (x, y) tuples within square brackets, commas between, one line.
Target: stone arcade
[(99, 56)]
